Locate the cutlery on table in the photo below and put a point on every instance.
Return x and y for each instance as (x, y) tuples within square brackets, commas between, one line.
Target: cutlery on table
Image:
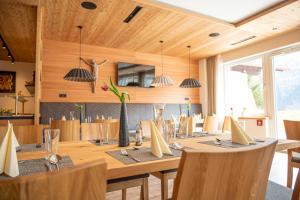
[(54, 160), (218, 141), (125, 153), (177, 146), (48, 166)]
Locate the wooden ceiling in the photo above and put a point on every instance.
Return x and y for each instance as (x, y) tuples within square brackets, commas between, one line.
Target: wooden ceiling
[(178, 28), (18, 28)]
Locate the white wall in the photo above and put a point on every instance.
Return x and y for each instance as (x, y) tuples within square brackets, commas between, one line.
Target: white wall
[(23, 73)]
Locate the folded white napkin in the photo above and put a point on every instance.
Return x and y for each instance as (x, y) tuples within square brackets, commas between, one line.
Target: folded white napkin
[(63, 118), (8, 155), (158, 144), (238, 135), (97, 117), (102, 117)]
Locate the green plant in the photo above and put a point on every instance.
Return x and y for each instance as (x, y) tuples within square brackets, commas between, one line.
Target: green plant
[(121, 95)]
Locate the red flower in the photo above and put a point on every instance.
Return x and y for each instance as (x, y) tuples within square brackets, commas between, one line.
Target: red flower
[(104, 87)]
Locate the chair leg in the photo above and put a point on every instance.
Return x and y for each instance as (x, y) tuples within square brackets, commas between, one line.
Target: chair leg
[(290, 176), (164, 188), (144, 190), (124, 194), (289, 170)]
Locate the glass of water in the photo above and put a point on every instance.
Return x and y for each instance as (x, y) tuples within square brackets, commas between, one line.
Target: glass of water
[(51, 141), (104, 132)]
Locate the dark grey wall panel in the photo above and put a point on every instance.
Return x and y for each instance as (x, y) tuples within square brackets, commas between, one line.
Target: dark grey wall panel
[(136, 112)]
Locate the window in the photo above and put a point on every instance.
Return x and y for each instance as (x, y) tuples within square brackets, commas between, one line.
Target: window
[(287, 88), (244, 87)]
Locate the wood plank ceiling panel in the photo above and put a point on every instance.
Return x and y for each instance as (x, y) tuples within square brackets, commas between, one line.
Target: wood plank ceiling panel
[(104, 27), (18, 28)]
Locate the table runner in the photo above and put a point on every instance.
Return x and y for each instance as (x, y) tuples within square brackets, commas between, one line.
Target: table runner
[(144, 154), (29, 167)]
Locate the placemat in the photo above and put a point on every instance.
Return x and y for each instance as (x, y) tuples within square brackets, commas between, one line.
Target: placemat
[(29, 167), (228, 144), (201, 134), (110, 142), (31, 147), (143, 154)]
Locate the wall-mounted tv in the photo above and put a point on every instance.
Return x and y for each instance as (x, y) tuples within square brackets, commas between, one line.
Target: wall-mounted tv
[(135, 75)]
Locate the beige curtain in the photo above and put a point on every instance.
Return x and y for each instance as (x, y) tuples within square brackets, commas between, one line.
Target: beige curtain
[(212, 64)]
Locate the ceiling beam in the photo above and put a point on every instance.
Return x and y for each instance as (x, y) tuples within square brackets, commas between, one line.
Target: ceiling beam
[(183, 11), (264, 12)]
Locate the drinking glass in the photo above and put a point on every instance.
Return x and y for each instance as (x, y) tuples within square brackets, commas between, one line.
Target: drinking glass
[(72, 115), (183, 127), (242, 124), (51, 141), (159, 119), (104, 132), (169, 132)]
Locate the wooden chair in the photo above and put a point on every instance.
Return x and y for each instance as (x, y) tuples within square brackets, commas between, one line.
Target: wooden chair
[(129, 182), (87, 181), (210, 124), (226, 175), (69, 129), (296, 191), (113, 128), (226, 125), (90, 131), (29, 134), (164, 177), (292, 129)]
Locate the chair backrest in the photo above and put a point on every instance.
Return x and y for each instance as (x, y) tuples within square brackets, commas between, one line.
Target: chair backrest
[(226, 124), (113, 128), (27, 134), (292, 129), (210, 124), (234, 174), (69, 129), (90, 131), (146, 127), (87, 181)]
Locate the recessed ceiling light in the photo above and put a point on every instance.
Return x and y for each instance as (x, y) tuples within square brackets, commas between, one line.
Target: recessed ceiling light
[(214, 34), (88, 5)]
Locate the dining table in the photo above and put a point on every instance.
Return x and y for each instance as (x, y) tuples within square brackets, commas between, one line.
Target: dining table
[(82, 152)]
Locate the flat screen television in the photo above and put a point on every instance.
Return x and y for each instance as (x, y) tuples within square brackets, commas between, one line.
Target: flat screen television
[(135, 75)]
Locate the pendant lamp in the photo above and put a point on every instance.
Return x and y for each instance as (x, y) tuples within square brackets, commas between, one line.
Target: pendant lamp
[(190, 82), (162, 80), (78, 74)]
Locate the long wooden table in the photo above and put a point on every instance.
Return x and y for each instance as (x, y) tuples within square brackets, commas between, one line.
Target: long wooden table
[(84, 151)]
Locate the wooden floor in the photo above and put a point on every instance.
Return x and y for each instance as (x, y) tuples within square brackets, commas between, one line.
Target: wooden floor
[(278, 174)]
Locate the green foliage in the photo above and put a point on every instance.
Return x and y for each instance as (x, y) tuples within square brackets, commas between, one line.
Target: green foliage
[(121, 95), (255, 85)]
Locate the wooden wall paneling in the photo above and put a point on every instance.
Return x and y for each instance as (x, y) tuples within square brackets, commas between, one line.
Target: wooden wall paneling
[(60, 57)]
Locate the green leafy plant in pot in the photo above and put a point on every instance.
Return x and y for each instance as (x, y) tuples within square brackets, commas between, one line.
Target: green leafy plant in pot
[(123, 131)]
